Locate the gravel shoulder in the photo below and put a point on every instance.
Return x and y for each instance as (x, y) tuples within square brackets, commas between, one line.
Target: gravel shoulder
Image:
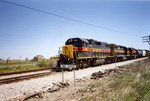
[(20, 90)]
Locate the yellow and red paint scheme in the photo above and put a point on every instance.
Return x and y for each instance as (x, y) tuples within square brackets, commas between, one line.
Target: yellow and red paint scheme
[(84, 49), (71, 52)]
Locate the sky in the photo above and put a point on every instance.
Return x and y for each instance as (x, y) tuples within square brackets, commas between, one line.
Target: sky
[(26, 33)]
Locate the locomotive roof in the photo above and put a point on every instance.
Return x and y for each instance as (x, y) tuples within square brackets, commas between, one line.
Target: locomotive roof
[(82, 39), (85, 40), (132, 48), (98, 41), (94, 40)]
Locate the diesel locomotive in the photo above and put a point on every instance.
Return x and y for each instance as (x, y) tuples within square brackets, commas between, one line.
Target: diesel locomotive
[(88, 52)]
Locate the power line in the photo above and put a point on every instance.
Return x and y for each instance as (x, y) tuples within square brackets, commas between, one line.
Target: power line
[(146, 39), (60, 16)]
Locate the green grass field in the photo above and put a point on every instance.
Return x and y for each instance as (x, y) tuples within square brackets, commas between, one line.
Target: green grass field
[(17, 63), (26, 66)]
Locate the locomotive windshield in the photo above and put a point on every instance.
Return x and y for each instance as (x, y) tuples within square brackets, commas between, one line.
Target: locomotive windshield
[(74, 42)]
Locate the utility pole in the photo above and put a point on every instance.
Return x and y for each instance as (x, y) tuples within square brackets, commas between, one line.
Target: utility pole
[(146, 39)]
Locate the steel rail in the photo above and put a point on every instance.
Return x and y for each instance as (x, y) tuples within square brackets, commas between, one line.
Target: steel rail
[(20, 78)]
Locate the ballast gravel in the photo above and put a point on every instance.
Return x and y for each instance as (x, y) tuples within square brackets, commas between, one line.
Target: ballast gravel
[(27, 87)]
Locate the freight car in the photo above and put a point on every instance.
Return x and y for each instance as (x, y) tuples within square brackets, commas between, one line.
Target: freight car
[(88, 52)]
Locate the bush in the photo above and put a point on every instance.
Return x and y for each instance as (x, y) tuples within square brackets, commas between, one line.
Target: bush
[(52, 63), (42, 63), (47, 63), (148, 55)]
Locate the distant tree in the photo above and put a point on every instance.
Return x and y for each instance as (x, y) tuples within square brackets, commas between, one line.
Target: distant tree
[(27, 59), (7, 60), (1, 60)]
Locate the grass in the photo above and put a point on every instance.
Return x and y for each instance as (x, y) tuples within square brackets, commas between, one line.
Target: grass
[(132, 86), (18, 68), (17, 63), (26, 66)]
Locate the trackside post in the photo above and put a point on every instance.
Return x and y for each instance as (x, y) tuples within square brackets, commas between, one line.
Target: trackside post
[(71, 67)]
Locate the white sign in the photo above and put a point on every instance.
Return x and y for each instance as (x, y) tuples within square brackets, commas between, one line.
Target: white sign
[(67, 66)]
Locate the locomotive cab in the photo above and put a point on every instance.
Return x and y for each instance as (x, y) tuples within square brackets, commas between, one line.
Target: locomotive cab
[(77, 42)]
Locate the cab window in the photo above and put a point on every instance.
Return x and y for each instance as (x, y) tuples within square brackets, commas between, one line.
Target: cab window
[(74, 42), (84, 44)]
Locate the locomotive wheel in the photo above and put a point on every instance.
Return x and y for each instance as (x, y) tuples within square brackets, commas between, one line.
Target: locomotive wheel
[(106, 60), (78, 66), (81, 65), (85, 64), (109, 60)]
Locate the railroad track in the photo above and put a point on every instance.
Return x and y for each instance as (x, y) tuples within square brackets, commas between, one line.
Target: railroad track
[(25, 77)]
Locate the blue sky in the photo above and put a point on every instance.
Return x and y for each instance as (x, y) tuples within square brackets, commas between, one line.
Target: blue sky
[(26, 33)]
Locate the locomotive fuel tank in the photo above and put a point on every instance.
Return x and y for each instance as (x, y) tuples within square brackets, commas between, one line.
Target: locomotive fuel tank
[(98, 62)]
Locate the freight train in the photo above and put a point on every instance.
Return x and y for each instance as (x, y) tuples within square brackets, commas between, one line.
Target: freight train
[(88, 52)]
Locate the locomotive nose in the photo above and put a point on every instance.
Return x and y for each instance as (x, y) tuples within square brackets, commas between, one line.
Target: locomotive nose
[(68, 51)]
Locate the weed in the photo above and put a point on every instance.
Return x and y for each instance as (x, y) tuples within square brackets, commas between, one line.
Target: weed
[(131, 86), (139, 61), (148, 55)]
